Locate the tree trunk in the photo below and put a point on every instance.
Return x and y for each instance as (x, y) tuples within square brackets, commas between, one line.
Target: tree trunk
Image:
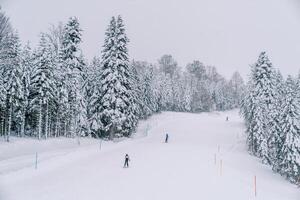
[(2, 123), (9, 123), (56, 125), (65, 128), (23, 124), (46, 121), (40, 120), (112, 132)]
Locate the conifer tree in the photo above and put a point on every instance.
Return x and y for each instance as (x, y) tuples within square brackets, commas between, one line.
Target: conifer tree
[(91, 93), (10, 57), (148, 100), (290, 153), (118, 106), (94, 94), (43, 86), (138, 92), (247, 110), (70, 56), (276, 133), (27, 67), (264, 94)]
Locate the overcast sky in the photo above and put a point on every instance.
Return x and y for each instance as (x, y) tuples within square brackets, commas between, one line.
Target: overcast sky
[(228, 34)]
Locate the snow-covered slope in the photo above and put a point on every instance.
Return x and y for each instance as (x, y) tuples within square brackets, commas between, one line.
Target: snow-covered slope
[(184, 168)]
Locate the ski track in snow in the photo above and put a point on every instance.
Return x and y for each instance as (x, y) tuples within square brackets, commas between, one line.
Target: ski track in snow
[(184, 168)]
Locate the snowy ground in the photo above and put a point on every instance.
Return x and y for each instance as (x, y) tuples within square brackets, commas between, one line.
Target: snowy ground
[(185, 168)]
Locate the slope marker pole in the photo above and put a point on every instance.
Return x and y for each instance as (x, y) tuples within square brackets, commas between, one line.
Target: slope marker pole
[(255, 189), (36, 160), (221, 167)]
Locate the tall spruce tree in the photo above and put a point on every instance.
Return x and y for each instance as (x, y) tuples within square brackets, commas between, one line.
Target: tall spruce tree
[(43, 86), (94, 97), (148, 101), (27, 67), (117, 103), (276, 133), (5, 31), (247, 110), (10, 61), (72, 66), (264, 94), (91, 93), (290, 153)]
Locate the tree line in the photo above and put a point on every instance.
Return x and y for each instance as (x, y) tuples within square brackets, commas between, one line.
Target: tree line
[(52, 90), (272, 114)]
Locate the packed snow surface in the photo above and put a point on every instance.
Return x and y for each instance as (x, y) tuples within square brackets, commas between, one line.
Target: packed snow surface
[(206, 158)]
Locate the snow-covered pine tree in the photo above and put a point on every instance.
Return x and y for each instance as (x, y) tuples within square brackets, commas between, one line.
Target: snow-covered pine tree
[(289, 159), (82, 123), (264, 94), (252, 111), (90, 74), (247, 110), (43, 86), (117, 110), (27, 66), (62, 115), (148, 98), (70, 57), (138, 91), (259, 136), (58, 112), (277, 135), (5, 30), (93, 91), (137, 86), (10, 64)]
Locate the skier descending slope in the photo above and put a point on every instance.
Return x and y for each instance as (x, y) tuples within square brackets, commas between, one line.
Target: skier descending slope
[(126, 164), (167, 138)]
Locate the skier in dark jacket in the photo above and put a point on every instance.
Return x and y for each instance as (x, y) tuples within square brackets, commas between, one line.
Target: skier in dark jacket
[(167, 138), (126, 164)]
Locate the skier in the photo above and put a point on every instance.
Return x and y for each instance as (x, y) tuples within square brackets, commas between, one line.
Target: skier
[(126, 161), (227, 118), (167, 138)]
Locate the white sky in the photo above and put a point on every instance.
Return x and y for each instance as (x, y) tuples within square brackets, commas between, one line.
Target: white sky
[(226, 33)]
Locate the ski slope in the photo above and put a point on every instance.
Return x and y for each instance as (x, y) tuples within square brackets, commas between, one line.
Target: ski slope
[(184, 168)]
